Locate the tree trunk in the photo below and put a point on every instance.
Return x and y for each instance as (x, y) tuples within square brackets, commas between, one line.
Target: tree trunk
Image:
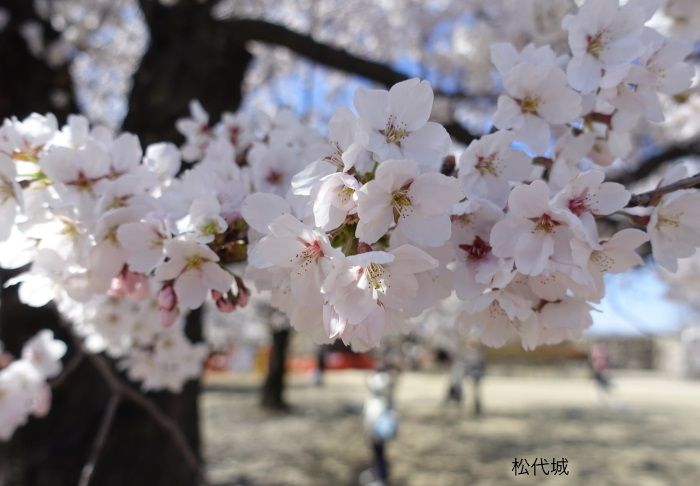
[(52, 451), (273, 388), (189, 57)]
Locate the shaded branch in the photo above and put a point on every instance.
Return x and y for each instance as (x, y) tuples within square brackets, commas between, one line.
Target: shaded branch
[(649, 165), (244, 30), (98, 445), (122, 391), (164, 422), (652, 198), (68, 370)]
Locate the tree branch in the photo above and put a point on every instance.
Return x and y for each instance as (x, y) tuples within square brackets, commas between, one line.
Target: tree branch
[(649, 165), (652, 198), (68, 370), (164, 422), (122, 391), (244, 30), (98, 445)]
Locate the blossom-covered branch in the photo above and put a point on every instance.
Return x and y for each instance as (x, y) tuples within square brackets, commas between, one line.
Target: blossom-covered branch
[(652, 198)]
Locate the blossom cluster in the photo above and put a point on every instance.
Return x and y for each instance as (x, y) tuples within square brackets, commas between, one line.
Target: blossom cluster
[(383, 234), (24, 390)]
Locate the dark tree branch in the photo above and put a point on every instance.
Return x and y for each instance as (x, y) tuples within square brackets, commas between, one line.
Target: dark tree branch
[(244, 30), (649, 165), (68, 370), (121, 389), (98, 445), (652, 198)]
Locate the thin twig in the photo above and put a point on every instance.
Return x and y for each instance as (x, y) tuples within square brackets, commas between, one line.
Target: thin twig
[(67, 370), (648, 166), (163, 421), (100, 439), (652, 198), (123, 391)]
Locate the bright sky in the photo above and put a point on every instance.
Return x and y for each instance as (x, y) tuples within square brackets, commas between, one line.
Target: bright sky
[(635, 304)]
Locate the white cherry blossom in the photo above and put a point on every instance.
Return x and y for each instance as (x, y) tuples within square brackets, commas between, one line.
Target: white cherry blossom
[(419, 204), (489, 165), (398, 126), (195, 270)]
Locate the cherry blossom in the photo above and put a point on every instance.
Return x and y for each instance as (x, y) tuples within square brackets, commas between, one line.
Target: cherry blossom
[(604, 40), (489, 165), (532, 230), (537, 96), (674, 229), (398, 126), (194, 269), (419, 204)]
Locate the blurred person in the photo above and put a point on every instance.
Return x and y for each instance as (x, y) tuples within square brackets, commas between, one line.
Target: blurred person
[(320, 369), (475, 366), (599, 369), (380, 422), (455, 393)]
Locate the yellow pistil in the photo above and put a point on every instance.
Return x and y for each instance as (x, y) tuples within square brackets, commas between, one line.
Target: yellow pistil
[(545, 223), (674, 221), (529, 104), (374, 275), (595, 44), (112, 234), (392, 133), (345, 194), (485, 165), (194, 262), (400, 203), (210, 228)]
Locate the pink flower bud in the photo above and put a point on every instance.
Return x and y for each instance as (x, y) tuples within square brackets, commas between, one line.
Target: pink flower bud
[(167, 300), (168, 317)]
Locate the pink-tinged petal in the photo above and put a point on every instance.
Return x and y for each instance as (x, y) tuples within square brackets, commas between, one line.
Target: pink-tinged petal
[(502, 239), (535, 133), (411, 102), (619, 260), (170, 269), (432, 230), (563, 106), (190, 289), (609, 197), (260, 209), (392, 174), (584, 73), (629, 238), (466, 287), (428, 145), (126, 152), (413, 260), (532, 252), (216, 278), (279, 251), (508, 113), (435, 193), (529, 200), (371, 105), (503, 56), (369, 230)]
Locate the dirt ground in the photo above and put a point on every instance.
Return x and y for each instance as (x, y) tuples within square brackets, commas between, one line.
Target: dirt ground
[(648, 434)]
